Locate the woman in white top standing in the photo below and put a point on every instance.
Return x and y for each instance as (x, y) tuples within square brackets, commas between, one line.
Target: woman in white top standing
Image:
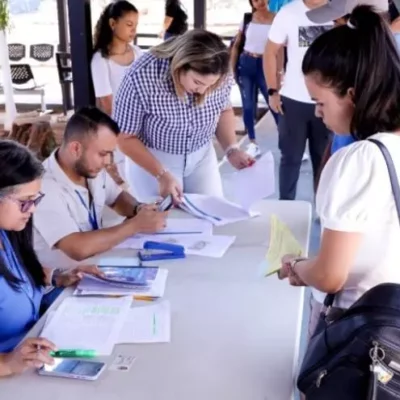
[(355, 91), (248, 65), (114, 54)]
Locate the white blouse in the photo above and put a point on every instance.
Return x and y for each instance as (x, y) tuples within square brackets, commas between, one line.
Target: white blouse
[(107, 75), (355, 195), (256, 37)]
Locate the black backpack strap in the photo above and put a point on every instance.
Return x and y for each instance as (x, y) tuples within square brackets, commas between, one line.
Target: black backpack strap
[(394, 181)]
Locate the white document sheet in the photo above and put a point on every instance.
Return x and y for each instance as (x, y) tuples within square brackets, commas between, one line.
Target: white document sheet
[(207, 246), (198, 245), (88, 323), (187, 226), (90, 288), (181, 227), (249, 185), (147, 324), (217, 210)]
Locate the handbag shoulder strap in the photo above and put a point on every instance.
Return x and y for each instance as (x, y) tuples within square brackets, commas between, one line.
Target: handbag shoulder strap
[(394, 181)]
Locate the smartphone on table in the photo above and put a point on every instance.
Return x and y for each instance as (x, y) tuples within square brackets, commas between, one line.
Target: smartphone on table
[(73, 369)]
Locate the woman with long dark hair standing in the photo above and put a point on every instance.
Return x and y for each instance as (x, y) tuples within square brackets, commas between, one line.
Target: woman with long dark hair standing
[(247, 62), (175, 21), (114, 54), (355, 92), (22, 278)]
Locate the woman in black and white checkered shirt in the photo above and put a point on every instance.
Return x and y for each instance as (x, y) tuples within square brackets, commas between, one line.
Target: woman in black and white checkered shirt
[(169, 106)]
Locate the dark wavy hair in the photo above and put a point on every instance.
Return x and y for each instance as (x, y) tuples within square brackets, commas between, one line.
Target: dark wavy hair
[(251, 6), (170, 3), (18, 166), (103, 33), (360, 55)]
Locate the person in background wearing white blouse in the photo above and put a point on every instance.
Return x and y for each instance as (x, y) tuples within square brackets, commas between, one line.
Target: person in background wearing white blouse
[(360, 225), (249, 64), (114, 54)]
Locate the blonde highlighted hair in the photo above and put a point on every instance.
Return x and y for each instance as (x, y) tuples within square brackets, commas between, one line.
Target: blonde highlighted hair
[(198, 50)]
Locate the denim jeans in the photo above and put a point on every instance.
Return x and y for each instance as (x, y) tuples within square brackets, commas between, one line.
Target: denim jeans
[(251, 79)]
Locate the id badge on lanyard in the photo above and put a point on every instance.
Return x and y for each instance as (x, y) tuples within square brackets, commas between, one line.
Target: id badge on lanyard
[(91, 210)]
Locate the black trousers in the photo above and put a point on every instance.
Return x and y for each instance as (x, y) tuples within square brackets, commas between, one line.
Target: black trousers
[(296, 126)]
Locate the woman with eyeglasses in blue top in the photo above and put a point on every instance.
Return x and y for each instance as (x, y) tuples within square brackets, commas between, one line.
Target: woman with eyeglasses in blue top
[(22, 278)]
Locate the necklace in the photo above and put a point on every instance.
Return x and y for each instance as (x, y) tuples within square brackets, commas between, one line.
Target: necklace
[(127, 49)]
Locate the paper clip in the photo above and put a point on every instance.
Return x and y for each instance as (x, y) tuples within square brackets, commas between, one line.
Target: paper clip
[(153, 251)]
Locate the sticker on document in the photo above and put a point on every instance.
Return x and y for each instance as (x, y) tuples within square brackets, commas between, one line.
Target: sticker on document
[(122, 363)]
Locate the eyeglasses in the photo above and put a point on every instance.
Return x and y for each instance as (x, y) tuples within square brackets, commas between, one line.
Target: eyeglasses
[(26, 205)]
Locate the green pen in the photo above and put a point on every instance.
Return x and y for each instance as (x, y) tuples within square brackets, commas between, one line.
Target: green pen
[(73, 354)]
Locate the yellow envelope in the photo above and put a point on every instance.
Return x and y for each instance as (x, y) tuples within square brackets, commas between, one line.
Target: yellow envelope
[(281, 242)]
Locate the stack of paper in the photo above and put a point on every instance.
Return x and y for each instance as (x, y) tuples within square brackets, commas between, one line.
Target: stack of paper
[(282, 242), (249, 185), (134, 278), (216, 210), (154, 288), (88, 323)]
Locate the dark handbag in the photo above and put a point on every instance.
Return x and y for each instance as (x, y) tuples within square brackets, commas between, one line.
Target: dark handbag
[(357, 356)]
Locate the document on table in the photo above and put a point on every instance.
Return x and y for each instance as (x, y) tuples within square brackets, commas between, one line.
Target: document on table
[(208, 246), (175, 226), (186, 226), (155, 290), (282, 242), (198, 245), (249, 185), (148, 324), (88, 323), (216, 210)]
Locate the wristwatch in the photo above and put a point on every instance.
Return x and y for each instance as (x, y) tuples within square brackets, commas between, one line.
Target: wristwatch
[(136, 209), (55, 274), (294, 262), (271, 92)]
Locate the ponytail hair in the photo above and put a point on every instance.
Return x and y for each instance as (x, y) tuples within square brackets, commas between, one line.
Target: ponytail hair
[(360, 57), (103, 33)]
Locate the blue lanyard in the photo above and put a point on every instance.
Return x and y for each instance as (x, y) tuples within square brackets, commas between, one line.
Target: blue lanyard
[(14, 266), (91, 212)]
